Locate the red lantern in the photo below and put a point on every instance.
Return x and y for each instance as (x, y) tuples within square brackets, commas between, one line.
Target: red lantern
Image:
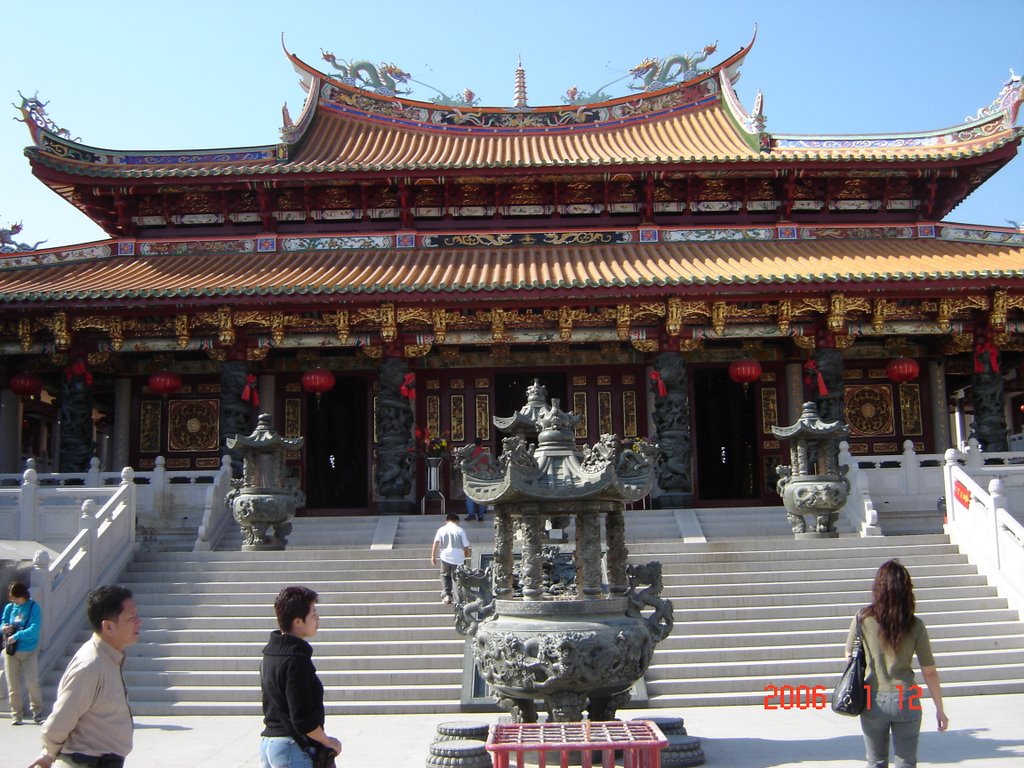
[(164, 382), (26, 384), (744, 371), (318, 381), (902, 369)]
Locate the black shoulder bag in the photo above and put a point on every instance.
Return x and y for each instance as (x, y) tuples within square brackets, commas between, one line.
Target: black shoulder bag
[(850, 695), (323, 757)]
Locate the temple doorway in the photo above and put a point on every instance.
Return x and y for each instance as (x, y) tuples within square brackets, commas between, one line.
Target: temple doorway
[(725, 426), (337, 469)]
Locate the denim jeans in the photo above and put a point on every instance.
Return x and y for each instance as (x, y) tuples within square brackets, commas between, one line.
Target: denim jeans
[(888, 714), (283, 752)]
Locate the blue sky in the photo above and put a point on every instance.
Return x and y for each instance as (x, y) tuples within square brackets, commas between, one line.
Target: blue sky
[(191, 74)]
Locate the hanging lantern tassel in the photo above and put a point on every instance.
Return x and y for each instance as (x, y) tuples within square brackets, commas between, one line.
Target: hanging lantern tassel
[(813, 376), (659, 383), (407, 389), (250, 393)]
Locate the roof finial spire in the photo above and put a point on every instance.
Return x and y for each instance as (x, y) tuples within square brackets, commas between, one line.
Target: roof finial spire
[(520, 94)]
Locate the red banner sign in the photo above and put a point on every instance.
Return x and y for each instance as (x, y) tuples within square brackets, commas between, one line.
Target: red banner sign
[(962, 494)]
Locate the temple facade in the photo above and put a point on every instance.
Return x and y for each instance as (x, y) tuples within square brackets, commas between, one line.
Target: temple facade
[(393, 269)]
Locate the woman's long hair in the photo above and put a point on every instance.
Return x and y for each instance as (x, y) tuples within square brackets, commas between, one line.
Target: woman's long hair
[(892, 602)]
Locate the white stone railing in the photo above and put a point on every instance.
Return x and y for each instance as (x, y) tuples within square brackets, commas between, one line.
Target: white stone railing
[(103, 546), (915, 481), (45, 507), (981, 524)]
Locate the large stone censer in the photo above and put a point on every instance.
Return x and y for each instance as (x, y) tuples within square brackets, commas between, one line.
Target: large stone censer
[(813, 483), (576, 643), (261, 499)]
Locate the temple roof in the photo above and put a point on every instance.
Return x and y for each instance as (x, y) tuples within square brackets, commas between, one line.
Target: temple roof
[(347, 128), (696, 268)]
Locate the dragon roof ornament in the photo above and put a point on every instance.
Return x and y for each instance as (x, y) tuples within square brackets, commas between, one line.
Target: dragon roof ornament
[(33, 114), (385, 79), (1007, 102), (651, 74), (9, 245)]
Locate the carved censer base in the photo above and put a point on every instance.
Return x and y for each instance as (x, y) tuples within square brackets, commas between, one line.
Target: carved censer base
[(575, 655), (265, 519)]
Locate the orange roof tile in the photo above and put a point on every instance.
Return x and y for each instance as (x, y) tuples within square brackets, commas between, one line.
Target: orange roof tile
[(702, 266)]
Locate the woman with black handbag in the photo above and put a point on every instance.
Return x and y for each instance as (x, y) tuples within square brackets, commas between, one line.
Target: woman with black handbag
[(891, 635), (293, 696)]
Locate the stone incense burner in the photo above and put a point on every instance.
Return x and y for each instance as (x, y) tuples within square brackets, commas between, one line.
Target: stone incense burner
[(575, 644)]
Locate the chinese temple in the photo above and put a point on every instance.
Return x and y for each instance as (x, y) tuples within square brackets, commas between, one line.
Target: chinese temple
[(663, 263)]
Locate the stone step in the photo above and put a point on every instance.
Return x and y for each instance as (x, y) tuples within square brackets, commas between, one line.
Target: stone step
[(788, 544), (759, 698), (784, 669), (749, 613), (757, 682), (397, 662), (669, 656)]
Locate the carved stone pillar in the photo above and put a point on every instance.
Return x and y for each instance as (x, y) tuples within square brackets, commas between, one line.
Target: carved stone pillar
[(76, 434), (615, 537), (504, 557), (588, 553), (235, 413), (532, 573), (672, 421), (395, 448), (987, 396), (122, 422), (830, 403)]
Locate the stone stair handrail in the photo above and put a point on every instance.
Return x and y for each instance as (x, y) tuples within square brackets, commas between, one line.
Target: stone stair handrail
[(104, 545), (980, 523), (216, 514)]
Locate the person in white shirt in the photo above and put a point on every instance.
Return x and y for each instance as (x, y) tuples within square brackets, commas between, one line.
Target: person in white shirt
[(451, 545)]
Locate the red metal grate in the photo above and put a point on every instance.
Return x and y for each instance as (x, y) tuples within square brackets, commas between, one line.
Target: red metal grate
[(640, 742)]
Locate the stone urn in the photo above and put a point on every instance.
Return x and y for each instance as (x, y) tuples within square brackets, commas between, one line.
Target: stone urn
[(260, 500), (813, 483), (576, 642)]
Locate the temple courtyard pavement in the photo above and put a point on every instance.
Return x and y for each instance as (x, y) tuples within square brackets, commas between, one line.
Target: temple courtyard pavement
[(984, 731)]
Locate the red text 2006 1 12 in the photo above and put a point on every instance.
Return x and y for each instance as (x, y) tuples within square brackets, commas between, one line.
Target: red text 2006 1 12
[(805, 697)]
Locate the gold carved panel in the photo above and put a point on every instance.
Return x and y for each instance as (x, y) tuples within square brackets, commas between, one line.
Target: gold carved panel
[(193, 425), (433, 425), (910, 409), (869, 410), (293, 423), (769, 409), (579, 381), (483, 415), (629, 426), (604, 413), (457, 418), (579, 407), (149, 426)]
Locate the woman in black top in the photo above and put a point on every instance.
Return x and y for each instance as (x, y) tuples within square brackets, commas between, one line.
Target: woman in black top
[(293, 696)]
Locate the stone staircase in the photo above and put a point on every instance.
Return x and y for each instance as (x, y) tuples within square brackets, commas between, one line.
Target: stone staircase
[(750, 613)]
